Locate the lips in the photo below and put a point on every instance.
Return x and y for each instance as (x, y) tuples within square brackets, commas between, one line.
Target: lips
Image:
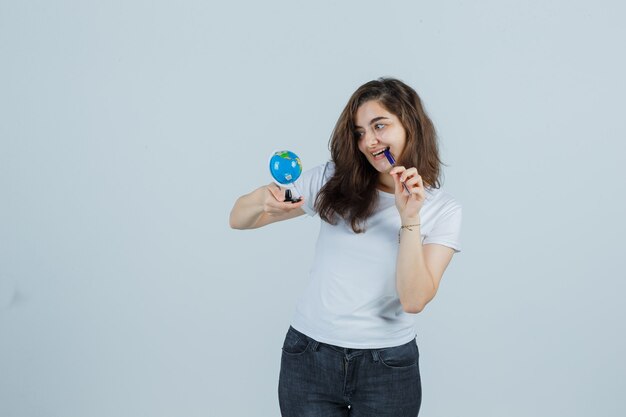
[(378, 153)]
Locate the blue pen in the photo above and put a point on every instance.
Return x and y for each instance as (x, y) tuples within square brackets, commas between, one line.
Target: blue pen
[(393, 163)]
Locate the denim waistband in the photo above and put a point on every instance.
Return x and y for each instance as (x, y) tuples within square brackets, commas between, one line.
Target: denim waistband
[(348, 352)]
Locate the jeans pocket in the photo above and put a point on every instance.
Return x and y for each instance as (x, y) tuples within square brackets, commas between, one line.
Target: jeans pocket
[(295, 344), (403, 356)]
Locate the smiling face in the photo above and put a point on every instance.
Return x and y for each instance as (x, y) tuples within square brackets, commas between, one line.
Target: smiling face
[(378, 129)]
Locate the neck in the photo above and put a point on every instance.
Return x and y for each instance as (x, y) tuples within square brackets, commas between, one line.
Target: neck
[(385, 183)]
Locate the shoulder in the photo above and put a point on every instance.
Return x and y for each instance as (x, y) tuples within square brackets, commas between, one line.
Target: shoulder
[(443, 216), (326, 169), (440, 196), (311, 182), (319, 174), (442, 201)]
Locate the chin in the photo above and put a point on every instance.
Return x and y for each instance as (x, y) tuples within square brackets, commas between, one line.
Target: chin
[(381, 169)]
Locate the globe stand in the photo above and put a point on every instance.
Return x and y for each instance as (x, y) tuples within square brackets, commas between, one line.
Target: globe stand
[(289, 196)]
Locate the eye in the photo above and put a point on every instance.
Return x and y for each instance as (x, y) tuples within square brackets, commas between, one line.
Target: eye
[(358, 134), (379, 126)]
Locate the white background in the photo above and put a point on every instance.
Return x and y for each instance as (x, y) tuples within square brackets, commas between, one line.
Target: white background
[(129, 128)]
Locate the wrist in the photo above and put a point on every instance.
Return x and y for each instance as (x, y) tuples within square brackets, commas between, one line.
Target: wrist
[(411, 226), (410, 220)]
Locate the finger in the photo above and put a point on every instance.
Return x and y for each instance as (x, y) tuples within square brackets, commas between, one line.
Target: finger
[(411, 172), (411, 184), (289, 204), (397, 170), (276, 191), (297, 204), (283, 207), (419, 195), (418, 192), (419, 184), (414, 181), (398, 188), (420, 180)]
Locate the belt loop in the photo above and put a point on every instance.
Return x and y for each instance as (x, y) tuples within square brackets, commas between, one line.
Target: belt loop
[(315, 345), (375, 355)]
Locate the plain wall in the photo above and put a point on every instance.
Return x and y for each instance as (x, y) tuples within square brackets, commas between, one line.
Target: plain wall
[(129, 128)]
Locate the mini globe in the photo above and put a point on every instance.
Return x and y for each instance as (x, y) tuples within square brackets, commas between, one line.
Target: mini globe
[(285, 167)]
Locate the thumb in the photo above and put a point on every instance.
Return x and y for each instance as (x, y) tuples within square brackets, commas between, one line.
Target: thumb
[(276, 191)]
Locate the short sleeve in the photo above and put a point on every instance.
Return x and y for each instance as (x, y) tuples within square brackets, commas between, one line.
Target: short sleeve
[(447, 228), (310, 183)]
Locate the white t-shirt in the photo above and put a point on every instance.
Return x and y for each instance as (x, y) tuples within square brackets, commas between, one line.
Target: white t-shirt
[(351, 299)]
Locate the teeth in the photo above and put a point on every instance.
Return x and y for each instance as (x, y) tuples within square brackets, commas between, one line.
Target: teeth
[(379, 153)]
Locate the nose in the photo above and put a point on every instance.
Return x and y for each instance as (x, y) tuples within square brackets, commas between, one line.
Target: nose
[(370, 138)]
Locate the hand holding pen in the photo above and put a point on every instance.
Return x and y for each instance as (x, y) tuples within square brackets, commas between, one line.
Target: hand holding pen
[(411, 181), (392, 162)]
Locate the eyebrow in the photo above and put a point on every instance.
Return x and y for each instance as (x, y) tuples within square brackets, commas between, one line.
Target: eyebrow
[(374, 120)]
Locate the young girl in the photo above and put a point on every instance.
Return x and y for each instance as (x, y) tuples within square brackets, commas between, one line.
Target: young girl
[(387, 235)]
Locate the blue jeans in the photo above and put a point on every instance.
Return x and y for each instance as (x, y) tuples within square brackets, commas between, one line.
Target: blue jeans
[(322, 380)]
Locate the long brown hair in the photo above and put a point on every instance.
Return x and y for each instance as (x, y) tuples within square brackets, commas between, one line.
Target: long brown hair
[(351, 192)]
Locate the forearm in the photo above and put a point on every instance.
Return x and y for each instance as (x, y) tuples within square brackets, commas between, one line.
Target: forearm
[(414, 282), (247, 210)]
